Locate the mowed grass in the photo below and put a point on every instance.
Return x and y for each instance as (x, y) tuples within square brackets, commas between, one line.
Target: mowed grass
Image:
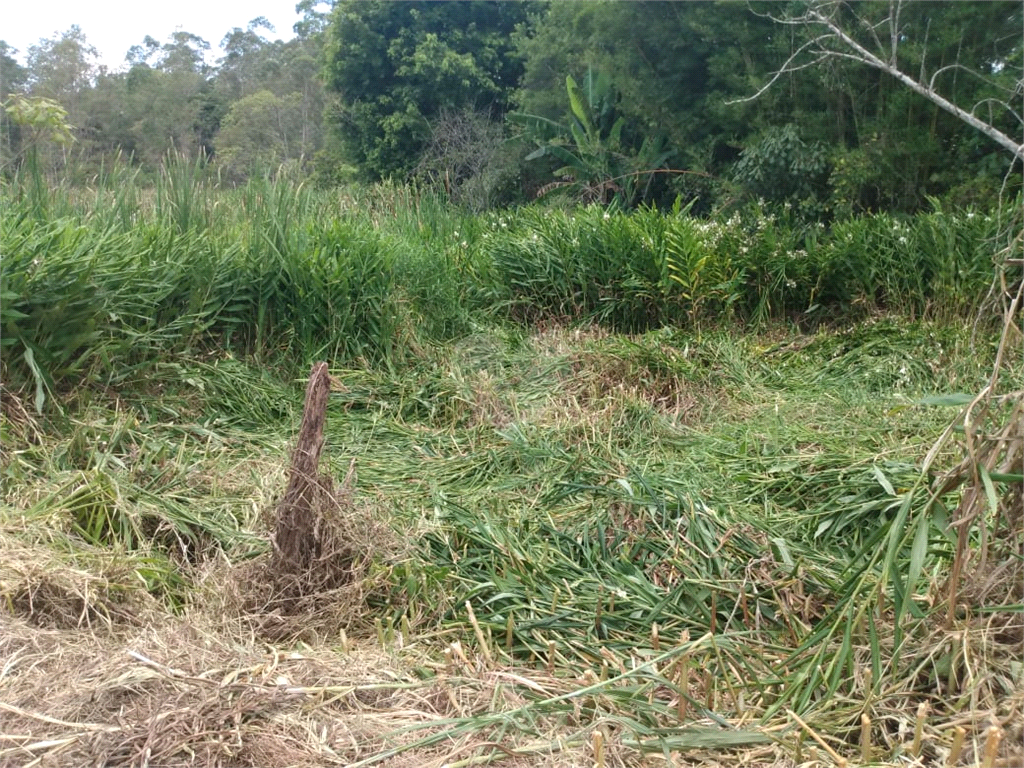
[(627, 517), (629, 488)]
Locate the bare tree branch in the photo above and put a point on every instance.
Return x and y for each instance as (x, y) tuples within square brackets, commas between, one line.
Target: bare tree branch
[(968, 70), (828, 48), (924, 52), (786, 69), (1004, 104), (895, 6)]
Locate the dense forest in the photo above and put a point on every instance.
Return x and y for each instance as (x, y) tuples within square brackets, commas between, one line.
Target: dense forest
[(497, 103)]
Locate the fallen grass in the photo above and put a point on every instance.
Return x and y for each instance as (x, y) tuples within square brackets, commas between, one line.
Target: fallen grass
[(665, 539)]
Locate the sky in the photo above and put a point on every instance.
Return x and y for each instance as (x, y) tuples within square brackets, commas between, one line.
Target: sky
[(114, 26)]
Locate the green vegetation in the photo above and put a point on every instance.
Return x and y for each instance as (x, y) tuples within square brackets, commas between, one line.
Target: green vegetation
[(714, 456), (100, 284), (719, 490), (720, 99)]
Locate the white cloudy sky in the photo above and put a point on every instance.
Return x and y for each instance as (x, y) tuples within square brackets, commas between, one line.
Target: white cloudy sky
[(114, 26)]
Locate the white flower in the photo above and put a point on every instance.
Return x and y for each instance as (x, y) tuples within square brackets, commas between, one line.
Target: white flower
[(903, 240), (607, 215), (970, 215), (791, 283)]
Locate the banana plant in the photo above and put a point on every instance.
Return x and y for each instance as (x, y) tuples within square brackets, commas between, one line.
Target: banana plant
[(595, 166)]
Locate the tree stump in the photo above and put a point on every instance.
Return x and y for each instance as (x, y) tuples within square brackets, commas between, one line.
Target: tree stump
[(310, 551)]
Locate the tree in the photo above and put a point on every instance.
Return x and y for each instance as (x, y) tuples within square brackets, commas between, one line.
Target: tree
[(256, 135), (169, 98), (596, 167), (782, 167), (469, 158), (682, 69), (249, 60), (13, 77), (43, 122), (184, 53), (893, 38), (62, 68), (289, 70), (395, 67), (673, 65)]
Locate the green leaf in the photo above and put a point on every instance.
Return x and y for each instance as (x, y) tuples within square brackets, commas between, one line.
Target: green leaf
[(542, 126), (781, 551), (883, 480), (918, 551), (990, 490), (578, 109), (37, 375), (876, 650), (950, 400), (615, 138), (895, 542)]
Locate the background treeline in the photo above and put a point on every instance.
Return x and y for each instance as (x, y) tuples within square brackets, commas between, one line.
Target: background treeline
[(494, 103)]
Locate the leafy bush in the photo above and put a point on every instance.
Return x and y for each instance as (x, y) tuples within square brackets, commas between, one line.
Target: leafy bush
[(646, 269)]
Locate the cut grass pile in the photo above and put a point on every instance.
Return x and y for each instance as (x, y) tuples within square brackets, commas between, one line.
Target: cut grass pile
[(657, 549)]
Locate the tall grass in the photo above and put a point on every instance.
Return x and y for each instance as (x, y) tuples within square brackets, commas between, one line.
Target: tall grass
[(96, 282), (638, 271)]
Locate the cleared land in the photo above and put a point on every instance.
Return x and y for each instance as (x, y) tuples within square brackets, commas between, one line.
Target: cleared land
[(563, 544)]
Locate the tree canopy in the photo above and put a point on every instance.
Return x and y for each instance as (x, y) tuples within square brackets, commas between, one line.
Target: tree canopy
[(715, 103), (395, 67)]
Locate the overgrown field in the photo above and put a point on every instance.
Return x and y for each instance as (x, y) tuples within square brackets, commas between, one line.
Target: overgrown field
[(627, 489)]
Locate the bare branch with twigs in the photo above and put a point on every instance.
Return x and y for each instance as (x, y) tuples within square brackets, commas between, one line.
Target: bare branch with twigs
[(835, 42)]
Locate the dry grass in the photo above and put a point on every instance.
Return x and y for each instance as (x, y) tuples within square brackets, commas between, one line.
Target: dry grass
[(89, 589), (176, 694), (189, 692), (204, 690)]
